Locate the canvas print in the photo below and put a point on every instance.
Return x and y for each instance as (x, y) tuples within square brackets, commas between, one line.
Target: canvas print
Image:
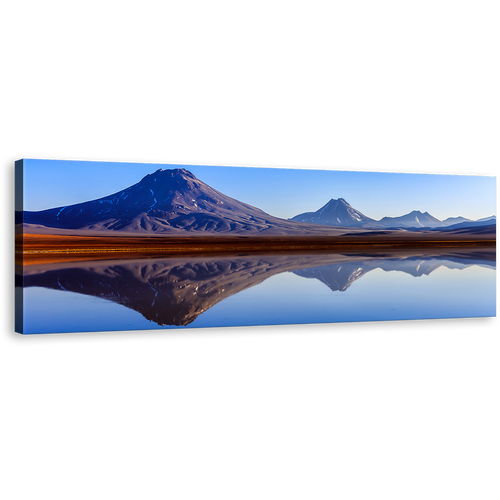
[(103, 246)]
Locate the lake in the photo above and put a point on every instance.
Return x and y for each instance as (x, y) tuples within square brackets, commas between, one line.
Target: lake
[(248, 290)]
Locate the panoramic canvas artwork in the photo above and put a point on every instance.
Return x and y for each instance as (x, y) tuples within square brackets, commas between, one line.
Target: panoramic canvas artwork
[(104, 246)]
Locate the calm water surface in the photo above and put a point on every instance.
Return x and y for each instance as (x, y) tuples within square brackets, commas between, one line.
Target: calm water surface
[(267, 289)]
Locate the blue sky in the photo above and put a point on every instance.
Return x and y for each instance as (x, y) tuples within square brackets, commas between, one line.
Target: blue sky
[(279, 191)]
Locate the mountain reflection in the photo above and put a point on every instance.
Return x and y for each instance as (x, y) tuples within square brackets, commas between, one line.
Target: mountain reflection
[(339, 277), (176, 290)]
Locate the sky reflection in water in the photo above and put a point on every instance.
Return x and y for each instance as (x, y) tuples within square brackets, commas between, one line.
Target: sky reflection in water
[(258, 290)]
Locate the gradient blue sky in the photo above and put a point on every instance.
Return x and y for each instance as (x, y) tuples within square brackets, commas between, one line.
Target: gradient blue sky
[(278, 191)]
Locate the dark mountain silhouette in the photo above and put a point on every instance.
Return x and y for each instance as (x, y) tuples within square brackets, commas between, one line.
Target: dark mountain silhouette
[(167, 201), (336, 213), (175, 291)]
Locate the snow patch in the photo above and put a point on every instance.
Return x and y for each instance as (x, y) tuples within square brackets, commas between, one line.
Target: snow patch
[(57, 216), (154, 199), (62, 288)]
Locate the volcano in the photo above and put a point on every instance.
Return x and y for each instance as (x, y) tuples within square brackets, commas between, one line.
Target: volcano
[(336, 213), (167, 201)]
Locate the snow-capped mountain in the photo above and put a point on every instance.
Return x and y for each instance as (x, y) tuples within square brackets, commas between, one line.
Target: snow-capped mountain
[(342, 214), (166, 201), (336, 213), (413, 219)]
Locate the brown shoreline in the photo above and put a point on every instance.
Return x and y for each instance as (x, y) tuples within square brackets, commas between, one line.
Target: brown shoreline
[(38, 248)]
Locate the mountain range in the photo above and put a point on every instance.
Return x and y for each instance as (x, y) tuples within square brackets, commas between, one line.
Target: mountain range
[(174, 202), (341, 213)]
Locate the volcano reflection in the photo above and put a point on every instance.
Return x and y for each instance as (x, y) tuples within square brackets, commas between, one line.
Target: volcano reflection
[(175, 291)]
